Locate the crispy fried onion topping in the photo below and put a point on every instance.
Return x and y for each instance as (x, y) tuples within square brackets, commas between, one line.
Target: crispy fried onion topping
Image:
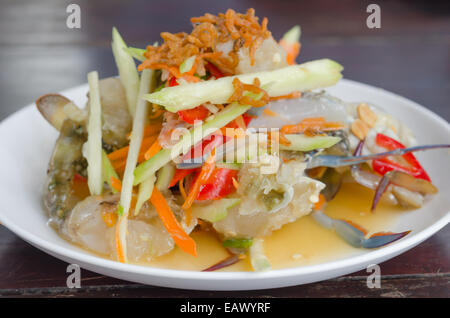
[(249, 94), (208, 30)]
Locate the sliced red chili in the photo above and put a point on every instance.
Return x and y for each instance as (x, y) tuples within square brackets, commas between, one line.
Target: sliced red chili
[(219, 185), (190, 115), (205, 147), (179, 175), (214, 70), (79, 178), (384, 164), (172, 82)]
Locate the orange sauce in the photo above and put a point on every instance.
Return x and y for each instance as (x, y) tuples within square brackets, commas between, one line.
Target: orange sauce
[(301, 243)]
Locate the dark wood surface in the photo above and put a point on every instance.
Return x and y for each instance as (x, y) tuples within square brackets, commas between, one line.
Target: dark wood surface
[(409, 55)]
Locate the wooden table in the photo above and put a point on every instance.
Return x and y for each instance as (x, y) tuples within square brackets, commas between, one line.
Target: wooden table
[(408, 55)]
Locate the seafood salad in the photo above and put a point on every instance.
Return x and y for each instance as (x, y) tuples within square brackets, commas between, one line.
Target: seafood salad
[(219, 130)]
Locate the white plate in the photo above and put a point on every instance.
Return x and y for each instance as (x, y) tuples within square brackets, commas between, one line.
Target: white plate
[(27, 141)]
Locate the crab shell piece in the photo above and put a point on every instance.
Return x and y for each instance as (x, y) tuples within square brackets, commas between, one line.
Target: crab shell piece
[(51, 106)]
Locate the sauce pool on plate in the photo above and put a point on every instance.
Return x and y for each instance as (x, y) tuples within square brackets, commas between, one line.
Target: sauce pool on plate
[(301, 243)]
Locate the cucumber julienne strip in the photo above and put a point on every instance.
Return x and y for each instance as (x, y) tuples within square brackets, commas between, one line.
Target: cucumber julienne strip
[(92, 149), (128, 73), (305, 143), (108, 171), (186, 66), (145, 192), (135, 143), (137, 53), (220, 119), (302, 77), (258, 259), (293, 35)]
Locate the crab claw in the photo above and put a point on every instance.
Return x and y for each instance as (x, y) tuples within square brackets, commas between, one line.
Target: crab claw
[(383, 238), (354, 234)]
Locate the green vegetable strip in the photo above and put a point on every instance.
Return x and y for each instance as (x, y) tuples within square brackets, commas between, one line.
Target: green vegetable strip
[(302, 77), (220, 119), (214, 211), (258, 259), (305, 143), (228, 165), (164, 176), (108, 171), (238, 243), (145, 192), (137, 133), (128, 73), (137, 53), (293, 35), (92, 149), (187, 64)]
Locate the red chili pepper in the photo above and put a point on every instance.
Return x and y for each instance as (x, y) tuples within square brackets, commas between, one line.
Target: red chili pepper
[(190, 115), (205, 147), (219, 185), (179, 175), (247, 119), (385, 165), (392, 144), (213, 70), (79, 178), (172, 82)]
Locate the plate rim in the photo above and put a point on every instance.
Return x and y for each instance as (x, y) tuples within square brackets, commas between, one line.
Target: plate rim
[(387, 252)]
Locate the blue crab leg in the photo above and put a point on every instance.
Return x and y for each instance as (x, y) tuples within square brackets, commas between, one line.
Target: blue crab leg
[(338, 161), (354, 234)]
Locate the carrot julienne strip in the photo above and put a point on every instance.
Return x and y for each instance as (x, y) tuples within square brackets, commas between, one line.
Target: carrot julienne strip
[(110, 218), (122, 153), (279, 137), (153, 150), (270, 113), (182, 191), (119, 164), (317, 123), (205, 173), (288, 96), (235, 183), (180, 174), (116, 183), (119, 247), (184, 241), (292, 51), (183, 194), (319, 204)]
